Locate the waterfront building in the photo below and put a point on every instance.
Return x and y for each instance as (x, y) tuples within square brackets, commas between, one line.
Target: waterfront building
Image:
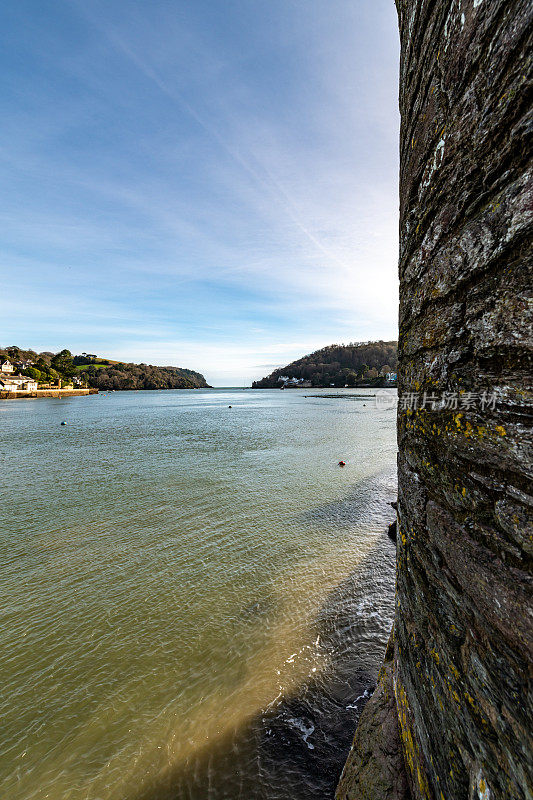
[(17, 383)]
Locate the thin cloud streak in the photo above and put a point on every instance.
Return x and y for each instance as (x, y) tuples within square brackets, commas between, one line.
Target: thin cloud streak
[(271, 185)]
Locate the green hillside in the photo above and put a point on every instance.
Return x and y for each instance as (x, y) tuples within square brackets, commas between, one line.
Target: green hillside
[(351, 364), (97, 372)]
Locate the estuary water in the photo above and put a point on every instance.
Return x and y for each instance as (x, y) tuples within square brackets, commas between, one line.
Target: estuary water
[(195, 598)]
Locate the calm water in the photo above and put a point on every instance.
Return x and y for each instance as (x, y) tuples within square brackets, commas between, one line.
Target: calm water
[(195, 599)]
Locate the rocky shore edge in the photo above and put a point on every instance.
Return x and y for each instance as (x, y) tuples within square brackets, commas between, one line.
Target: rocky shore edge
[(375, 768)]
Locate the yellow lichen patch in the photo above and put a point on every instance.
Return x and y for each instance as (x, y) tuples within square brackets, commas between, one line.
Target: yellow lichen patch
[(410, 746), (470, 700), (483, 789), (501, 430)]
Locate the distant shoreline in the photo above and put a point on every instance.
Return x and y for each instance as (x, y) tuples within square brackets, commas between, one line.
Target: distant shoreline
[(375, 385)]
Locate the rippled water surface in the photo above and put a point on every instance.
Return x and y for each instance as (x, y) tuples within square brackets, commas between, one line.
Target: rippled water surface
[(195, 598)]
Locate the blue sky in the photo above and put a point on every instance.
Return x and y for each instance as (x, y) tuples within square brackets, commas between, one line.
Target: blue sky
[(205, 183)]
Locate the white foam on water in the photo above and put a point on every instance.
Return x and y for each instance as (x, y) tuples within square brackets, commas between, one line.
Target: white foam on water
[(367, 693), (306, 730)]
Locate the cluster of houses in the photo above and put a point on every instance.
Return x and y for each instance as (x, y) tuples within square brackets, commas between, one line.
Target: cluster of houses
[(293, 383), (301, 383), (10, 382)]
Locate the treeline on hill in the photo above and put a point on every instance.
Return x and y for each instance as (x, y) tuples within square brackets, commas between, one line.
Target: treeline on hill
[(353, 364), (88, 369)]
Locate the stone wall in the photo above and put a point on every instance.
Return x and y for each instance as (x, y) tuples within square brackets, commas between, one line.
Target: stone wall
[(47, 393), (463, 627)]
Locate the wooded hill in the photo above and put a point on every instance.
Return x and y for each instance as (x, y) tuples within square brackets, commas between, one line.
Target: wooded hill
[(363, 363), (91, 370)]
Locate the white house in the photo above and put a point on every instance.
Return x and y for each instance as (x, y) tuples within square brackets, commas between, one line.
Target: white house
[(8, 385), (17, 383), (298, 383), (7, 367)]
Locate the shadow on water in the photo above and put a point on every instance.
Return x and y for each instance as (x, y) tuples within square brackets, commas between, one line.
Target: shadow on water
[(297, 748), (363, 502)]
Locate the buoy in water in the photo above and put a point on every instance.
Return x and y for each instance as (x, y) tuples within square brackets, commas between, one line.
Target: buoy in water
[(63, 423), (229, 406), (342, 463)]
